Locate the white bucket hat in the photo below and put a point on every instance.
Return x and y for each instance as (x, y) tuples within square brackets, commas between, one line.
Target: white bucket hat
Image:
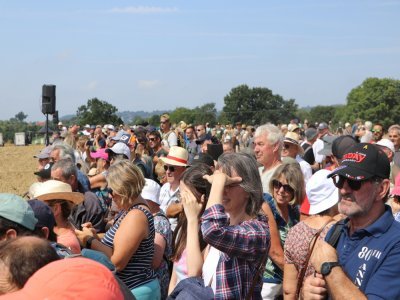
[(57, 190), (321, 192), (151, 191), (177, 156)]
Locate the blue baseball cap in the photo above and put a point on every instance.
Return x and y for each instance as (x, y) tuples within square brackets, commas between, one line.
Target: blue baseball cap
[(17, 210)]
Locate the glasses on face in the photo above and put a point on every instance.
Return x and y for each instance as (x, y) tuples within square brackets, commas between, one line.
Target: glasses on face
[(278, 185), (355, 185), (170, 168), (152, 139), (376, 130)]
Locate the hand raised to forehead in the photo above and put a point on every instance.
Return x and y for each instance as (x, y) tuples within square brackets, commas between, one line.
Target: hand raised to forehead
[(222, 178)]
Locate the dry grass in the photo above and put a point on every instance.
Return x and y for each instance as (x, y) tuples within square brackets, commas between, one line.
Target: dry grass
[(17, 167)]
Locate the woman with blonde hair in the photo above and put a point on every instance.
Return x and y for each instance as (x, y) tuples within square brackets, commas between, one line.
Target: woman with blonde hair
[(129, 243), (287, 189)]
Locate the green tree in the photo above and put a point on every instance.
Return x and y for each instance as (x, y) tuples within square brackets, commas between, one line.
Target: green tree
[(375, 100), (322, 113), (205, 113), (257, 106), (21, 116), (182, 114), (97, 112)]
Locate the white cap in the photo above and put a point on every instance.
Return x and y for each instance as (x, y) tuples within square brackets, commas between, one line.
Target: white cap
[(111, 127), (321, 192), (60, 123), (151, 191), (120, 148), (87, 126), (386, 143)]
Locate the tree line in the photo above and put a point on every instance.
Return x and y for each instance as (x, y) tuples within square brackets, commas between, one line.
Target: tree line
[(375, 99)]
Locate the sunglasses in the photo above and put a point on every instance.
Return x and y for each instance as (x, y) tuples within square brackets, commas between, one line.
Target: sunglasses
[(152, 139), (376, 130), (355, 185), (170, 168), (278, 185)]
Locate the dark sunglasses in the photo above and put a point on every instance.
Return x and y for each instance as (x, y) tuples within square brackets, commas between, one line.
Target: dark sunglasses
[(277, 185), (286, 146), (170, 168), (152, 139), (355, 185)]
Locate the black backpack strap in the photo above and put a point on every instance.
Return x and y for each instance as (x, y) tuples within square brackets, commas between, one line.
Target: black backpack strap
[(334, 238)]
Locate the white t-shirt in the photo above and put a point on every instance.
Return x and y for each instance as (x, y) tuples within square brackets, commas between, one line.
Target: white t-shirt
[(168, 197), (266, 177), (318, 146), (305, 168)]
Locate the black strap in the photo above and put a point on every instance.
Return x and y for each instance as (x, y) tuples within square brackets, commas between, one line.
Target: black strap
[(334, 238)]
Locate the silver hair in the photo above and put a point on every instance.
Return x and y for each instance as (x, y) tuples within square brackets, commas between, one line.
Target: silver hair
[(395, 127), (273, 134), (66, 151), (246, 167), (67, 167)]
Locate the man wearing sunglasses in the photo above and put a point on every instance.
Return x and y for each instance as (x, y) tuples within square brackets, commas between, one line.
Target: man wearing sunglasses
[(365, 262), (377, 132), (175, 164)]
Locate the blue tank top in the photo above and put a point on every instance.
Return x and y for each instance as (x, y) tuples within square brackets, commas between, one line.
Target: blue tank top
[(139, 269)]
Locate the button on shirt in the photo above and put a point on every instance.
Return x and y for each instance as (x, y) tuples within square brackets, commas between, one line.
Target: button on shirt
[(370, 257), (168, 197)]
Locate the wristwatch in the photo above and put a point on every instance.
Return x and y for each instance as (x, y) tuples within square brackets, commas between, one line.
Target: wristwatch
[(89, 242), (326, 267)]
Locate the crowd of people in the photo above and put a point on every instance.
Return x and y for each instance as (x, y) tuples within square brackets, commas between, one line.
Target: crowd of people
[(187, 211)]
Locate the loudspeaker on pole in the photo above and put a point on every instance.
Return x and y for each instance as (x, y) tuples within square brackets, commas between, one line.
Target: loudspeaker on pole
[(48, 99)]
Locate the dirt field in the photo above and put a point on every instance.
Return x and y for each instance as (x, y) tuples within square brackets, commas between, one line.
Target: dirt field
[(16, 168)]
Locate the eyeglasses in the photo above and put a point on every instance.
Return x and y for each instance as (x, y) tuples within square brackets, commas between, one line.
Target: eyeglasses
[(170, 168), (278, 185), (152, 139), (376, 130), (355, 185)]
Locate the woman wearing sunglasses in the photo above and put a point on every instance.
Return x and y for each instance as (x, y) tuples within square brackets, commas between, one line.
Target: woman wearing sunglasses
[(287, 189)]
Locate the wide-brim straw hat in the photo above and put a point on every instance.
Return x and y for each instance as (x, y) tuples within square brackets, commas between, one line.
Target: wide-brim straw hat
[(293, 138), (57, 190), (177, 156)]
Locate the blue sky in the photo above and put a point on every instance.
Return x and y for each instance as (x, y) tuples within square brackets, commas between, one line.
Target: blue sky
[(147, 55)]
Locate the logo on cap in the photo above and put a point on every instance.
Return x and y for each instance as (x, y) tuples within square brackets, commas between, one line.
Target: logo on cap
[(354, 157)]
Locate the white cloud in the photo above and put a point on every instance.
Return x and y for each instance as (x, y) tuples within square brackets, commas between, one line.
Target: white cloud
[(91, 86), (143, 10), (147, 84), (64, 55)]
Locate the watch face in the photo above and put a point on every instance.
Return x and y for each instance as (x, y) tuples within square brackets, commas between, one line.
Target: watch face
[(325, 269)]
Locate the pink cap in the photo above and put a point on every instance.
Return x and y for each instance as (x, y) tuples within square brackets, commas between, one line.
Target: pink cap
[(100, 153), (396, 189)]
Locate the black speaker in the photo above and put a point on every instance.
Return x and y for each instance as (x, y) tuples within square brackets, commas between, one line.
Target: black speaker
[(55, 118), (48, 99)]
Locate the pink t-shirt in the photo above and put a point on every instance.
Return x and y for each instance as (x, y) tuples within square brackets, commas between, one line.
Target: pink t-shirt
[(69, 240)]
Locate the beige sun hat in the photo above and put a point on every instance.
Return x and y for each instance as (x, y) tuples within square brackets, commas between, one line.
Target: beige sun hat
[(177, 156), (57, 190), (293, 138)]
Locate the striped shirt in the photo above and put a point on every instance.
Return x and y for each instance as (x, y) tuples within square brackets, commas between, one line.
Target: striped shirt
[(138, 271)]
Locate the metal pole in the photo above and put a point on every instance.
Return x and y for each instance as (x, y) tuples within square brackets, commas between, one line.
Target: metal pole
[(47, 130)]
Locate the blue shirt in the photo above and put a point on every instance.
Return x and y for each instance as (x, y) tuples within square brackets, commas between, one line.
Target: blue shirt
[(370, 257)]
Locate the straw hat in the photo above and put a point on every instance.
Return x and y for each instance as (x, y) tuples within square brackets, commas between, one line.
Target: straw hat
[(177, 156), (293, 138), (57, 190)]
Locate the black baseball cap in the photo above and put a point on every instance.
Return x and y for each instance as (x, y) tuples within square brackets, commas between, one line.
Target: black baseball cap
[(45, 173), (341, 144), (363, 161)]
